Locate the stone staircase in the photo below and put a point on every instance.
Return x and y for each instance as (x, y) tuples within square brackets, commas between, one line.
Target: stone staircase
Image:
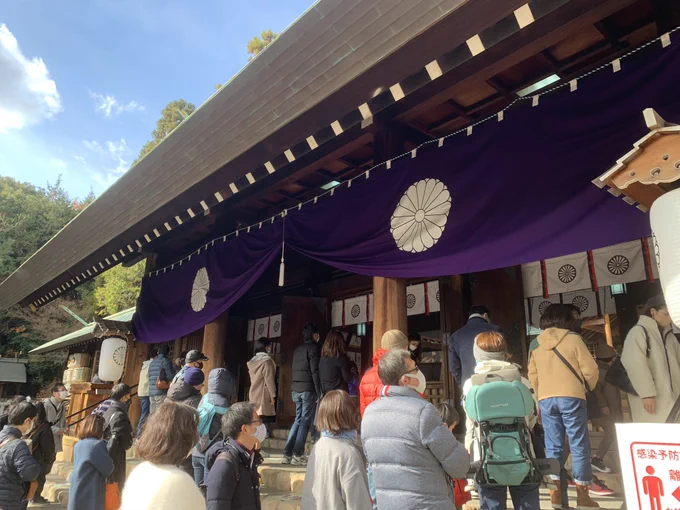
[(281, 487), (281, 484)]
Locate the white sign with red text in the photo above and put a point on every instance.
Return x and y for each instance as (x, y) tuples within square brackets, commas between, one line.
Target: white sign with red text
[(650, 465)]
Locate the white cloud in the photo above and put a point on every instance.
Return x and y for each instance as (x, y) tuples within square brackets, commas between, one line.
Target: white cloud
[(27, 94), (80, 159), (110, 107), (110, 152), (58, 163)]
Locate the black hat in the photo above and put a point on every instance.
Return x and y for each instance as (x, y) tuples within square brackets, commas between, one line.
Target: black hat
[(657, 302), (195, 355)]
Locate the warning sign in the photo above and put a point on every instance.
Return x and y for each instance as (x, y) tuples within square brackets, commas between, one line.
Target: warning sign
[(650, 457)]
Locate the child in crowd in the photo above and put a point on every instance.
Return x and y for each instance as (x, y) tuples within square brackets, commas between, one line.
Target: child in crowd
[(450, 416), (91, 466)]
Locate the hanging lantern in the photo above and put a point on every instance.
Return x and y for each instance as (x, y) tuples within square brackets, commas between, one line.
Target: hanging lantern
[(112, 359), (665, 220)]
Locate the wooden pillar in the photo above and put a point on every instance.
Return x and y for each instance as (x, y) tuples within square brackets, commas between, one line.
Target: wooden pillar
[(389, 307), (214, 345), (389, 294), (137, 353)]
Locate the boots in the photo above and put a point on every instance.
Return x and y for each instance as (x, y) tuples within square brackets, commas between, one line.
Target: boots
[(556, 496), (583, 499)]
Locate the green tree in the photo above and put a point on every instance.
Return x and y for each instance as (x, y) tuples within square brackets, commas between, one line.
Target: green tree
[(259, 43), (118, 288), (172, 116)]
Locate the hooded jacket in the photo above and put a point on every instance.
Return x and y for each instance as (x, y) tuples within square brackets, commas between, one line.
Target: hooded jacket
[(370, 385), (657, 376), (306, 368), (550, 377), (411, 453), (220, 394), (17, 466), (180, 391), (118, 437), (262, 370)]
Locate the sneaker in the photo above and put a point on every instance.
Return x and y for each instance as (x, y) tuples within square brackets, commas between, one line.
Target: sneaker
[(299, 461), (599, 465), (39, 500), (287, 459), (599, 488)]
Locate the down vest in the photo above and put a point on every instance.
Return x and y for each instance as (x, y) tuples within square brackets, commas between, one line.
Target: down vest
[(411, 452), (154, 372), (370, 386), (17, 466)]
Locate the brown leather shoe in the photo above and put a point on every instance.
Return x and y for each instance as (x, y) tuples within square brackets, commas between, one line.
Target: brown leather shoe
[(556, 496), (583, 499)]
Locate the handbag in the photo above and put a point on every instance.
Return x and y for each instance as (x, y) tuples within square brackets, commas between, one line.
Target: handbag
[(112, 497), (617, 375), (162, 383), (592, 405)]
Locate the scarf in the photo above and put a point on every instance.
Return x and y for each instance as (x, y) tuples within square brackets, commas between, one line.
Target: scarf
[(481, 355), (347, 434)]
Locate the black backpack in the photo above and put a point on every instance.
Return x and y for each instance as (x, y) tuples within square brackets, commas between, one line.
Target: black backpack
[(617, 374)]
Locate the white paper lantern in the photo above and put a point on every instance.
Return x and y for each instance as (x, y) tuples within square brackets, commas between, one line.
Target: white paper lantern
[(112, 359), (665, 220)]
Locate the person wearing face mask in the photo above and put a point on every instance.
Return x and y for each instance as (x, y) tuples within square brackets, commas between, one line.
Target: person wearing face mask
[(411, 452), (194, 359), (17, 465), (233, 480), (55, 409), (118, 430), (654, 373), (414, 342), (188, 389)]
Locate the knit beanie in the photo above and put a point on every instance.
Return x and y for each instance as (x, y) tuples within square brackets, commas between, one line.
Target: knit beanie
[(194, 376), (394, 339), (481, 355)]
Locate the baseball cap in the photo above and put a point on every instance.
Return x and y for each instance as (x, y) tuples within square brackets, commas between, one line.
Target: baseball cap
[(195, 355), (657, 302)]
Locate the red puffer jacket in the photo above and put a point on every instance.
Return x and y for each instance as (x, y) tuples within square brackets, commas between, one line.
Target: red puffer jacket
[(370, 386)]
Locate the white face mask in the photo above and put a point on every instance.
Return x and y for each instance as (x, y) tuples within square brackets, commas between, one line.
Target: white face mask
[(260, 432), (63, 395), (422, 382)]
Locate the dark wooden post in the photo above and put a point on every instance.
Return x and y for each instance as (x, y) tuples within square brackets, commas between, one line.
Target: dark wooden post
[(214, 345)]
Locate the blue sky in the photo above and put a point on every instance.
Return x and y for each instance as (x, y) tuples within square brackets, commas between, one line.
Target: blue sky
[(84, 81)]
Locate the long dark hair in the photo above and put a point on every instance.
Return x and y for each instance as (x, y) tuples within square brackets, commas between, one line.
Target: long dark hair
[(334, 346), (40, 420)]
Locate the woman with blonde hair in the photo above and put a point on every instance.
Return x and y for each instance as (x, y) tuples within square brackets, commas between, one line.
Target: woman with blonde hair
[(336, 472), (157, 483)]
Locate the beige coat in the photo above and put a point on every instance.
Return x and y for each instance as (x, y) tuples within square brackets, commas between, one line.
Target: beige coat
[(550, 377), (658, 376), (262, 370)]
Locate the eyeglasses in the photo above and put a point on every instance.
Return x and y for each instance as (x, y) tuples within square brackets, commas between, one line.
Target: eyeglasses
[(413, 370), (256, 422)]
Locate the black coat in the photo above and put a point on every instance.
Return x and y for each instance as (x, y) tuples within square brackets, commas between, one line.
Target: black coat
[(306, 368), (232, 483), (335, 373), (17, 466), (118, 437), (43, 448)]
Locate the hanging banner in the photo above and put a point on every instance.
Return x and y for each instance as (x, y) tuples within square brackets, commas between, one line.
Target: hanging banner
[(433, 297), (261, 327), (415, 299), (447, 210), (584, 300), (275, 326), (251, 330), (355, 310), (566, 274), (336, 314), (622, 263), (532, 279)]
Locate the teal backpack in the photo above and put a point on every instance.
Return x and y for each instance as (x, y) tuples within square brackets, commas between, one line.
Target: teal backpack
[(206, 412), (499, 409)]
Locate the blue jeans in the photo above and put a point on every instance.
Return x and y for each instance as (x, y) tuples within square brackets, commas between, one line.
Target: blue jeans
[(146, 405), (305, 405), (198, 462), (524, 497), (568, 416)]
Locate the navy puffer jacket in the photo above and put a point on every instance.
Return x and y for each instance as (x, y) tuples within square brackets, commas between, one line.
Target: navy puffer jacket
[(154, 372), (17, 466)]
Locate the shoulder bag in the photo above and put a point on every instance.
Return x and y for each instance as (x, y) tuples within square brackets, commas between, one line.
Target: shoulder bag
[(162, 382), (592, 404), (617, 374)]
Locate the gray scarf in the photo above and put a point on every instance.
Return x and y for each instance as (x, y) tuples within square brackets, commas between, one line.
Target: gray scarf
[(481, 355)]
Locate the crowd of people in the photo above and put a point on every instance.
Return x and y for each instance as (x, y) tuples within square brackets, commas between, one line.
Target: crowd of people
[(392, 449)]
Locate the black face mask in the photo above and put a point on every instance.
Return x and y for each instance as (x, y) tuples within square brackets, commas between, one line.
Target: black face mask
[(578, 325), (200, 365)]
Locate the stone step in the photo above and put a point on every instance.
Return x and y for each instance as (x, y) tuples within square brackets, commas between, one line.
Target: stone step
[(273, 499), (283, 434), (271, 443)]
